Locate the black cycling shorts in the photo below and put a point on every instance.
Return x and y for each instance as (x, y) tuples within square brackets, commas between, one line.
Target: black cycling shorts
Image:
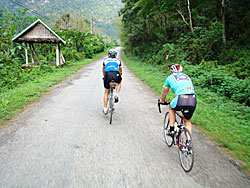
[(112, 75), (186, 104)]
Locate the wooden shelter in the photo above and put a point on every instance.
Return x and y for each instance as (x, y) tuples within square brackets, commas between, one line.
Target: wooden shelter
[(39, 32)]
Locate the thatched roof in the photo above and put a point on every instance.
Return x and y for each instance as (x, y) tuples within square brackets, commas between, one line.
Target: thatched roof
[(38, 32)]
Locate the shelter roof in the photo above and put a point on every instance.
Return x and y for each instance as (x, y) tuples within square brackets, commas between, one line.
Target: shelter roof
[(38, 32)]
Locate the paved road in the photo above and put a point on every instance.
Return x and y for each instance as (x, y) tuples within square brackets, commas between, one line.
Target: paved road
[(65, 141)]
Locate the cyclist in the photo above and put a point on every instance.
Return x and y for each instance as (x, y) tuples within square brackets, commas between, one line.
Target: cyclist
[(112, 70), (185, 99)]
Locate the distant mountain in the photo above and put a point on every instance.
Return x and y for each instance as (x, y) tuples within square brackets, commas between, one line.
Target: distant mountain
[(103, 12)]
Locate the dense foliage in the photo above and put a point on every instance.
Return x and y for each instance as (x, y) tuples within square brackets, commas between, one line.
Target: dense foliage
[(209, 38), (79, 45)]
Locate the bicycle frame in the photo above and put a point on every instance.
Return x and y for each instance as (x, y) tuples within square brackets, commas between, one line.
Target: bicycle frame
[(177, 113)]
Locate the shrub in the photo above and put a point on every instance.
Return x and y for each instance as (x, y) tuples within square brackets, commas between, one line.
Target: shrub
[(217, 79), (240, 68), (199, 45), (10, 75)]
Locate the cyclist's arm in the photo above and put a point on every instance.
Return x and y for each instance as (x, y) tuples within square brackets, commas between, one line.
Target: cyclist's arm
[(164, 94), (120, 70), (103, 68)]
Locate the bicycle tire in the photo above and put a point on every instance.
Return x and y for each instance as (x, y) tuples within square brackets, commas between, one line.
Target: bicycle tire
[(111, 106), (168, 139), (186, 155)]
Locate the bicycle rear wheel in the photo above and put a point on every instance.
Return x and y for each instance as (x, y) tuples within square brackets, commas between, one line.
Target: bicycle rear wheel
[(168, 139), (186, 152)]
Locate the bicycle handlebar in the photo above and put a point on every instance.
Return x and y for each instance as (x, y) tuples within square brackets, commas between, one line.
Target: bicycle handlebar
[(160, 103)]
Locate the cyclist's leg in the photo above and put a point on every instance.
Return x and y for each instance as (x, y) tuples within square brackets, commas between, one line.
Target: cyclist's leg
[(118, 88), (106, 93), (118, 80), (106, 87), (172, 109), (188, 111), (188, 125), (171, 116)]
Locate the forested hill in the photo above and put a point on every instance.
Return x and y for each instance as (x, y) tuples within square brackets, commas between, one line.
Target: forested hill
[(104, 13)]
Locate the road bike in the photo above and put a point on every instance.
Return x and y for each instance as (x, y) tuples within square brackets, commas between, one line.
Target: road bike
[(182, 138), (111, 99)]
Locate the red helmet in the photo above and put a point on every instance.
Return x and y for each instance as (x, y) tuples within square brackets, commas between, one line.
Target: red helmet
[(176, 68)]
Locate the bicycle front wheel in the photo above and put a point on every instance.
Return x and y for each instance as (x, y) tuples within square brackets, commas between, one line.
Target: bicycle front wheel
[(111, 107), (186, 151), (111, 115), (168, 139)]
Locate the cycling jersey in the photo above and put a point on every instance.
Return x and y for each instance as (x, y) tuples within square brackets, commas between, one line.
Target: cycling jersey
[(180, 84), (111, 64)]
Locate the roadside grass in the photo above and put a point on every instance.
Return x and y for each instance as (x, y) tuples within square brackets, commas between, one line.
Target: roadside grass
[(226, 123), (14, 100)]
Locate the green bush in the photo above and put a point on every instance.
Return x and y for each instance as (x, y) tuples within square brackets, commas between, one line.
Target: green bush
[(44, 67), (200, 44), (89, 52), (10, 75), (219, 80), (70, 54), (240, 68)]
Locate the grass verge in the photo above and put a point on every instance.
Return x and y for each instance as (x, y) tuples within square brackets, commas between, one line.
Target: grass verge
[(13, 101), (225, 122)]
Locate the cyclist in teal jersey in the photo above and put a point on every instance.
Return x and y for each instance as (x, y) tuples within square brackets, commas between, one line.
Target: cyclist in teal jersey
[(185, 99)]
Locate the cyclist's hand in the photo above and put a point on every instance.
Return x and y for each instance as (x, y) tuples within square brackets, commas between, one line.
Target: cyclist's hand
[(159, 102), (163, 102)]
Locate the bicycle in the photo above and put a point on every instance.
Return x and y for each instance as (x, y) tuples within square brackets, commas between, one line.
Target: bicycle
[(185, 151), (111, 100)]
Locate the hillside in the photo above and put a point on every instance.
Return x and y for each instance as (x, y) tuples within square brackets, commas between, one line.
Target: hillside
[(104, 13)]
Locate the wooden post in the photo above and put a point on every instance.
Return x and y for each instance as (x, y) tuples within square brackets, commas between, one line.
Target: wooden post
[(35, 53), (62, 58), (60, 54), (32, 54), (26, 55), (57, 54)]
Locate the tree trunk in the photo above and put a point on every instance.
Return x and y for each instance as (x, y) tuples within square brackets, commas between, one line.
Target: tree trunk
[(223, 20), (190, 17)]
